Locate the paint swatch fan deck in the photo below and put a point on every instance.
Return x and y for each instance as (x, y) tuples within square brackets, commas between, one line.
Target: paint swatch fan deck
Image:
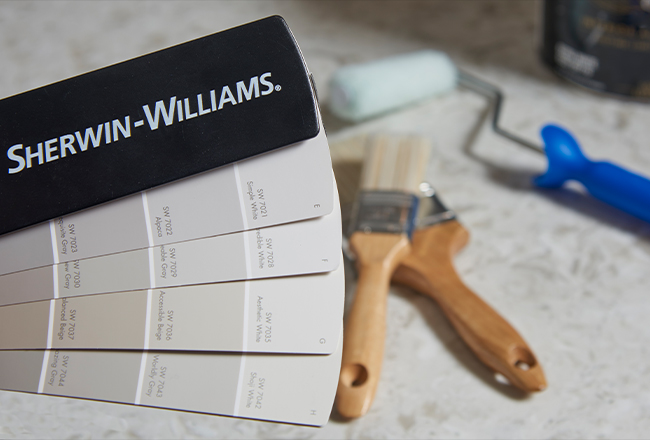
[(196, 207)]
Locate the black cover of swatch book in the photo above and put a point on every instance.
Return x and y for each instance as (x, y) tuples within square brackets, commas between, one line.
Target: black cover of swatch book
[(152, 120)]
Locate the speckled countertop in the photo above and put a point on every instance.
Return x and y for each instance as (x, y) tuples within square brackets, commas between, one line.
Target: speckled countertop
[(570, 273)]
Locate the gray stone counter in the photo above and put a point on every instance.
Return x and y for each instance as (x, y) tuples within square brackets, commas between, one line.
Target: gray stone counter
[(570, 273)]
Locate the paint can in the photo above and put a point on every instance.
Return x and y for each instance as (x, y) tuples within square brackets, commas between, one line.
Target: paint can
[(603, 45)]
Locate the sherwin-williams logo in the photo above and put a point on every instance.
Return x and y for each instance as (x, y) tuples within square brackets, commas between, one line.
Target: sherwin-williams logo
[(164, 111)]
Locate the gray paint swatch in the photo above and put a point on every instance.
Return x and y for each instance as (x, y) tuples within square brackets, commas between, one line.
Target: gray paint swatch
[(300, 314), (284, 388)]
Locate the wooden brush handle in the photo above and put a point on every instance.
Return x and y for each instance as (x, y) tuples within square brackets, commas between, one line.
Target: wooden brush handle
[(429, 269), (377, 256)]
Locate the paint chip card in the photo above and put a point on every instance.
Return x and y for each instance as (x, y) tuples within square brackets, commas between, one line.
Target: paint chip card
[(300, 314), (282, 388)]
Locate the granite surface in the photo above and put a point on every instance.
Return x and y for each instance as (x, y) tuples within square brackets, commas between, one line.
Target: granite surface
[(570, 273)]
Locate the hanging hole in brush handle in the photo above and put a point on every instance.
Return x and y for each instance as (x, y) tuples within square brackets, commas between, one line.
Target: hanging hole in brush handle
[(606, 181)]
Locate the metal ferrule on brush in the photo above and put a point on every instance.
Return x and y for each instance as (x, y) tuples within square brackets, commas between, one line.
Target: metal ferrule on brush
[(431, 210), (385, 211)]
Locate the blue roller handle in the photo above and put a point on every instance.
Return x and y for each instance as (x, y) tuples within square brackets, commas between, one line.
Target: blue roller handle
[(610, 183)]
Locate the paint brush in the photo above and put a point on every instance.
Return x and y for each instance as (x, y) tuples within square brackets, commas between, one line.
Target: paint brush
[(382, 223), (429, 269)]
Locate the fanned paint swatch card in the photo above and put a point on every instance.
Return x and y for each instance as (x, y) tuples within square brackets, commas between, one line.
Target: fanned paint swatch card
[(291, 184), (284, 388), (310, 246), (300, 314)]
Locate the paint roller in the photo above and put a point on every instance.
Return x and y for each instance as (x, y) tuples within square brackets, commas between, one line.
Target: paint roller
[(361, 91)]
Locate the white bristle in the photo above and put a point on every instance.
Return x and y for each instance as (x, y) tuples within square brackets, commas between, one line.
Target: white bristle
[(394, 163)]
